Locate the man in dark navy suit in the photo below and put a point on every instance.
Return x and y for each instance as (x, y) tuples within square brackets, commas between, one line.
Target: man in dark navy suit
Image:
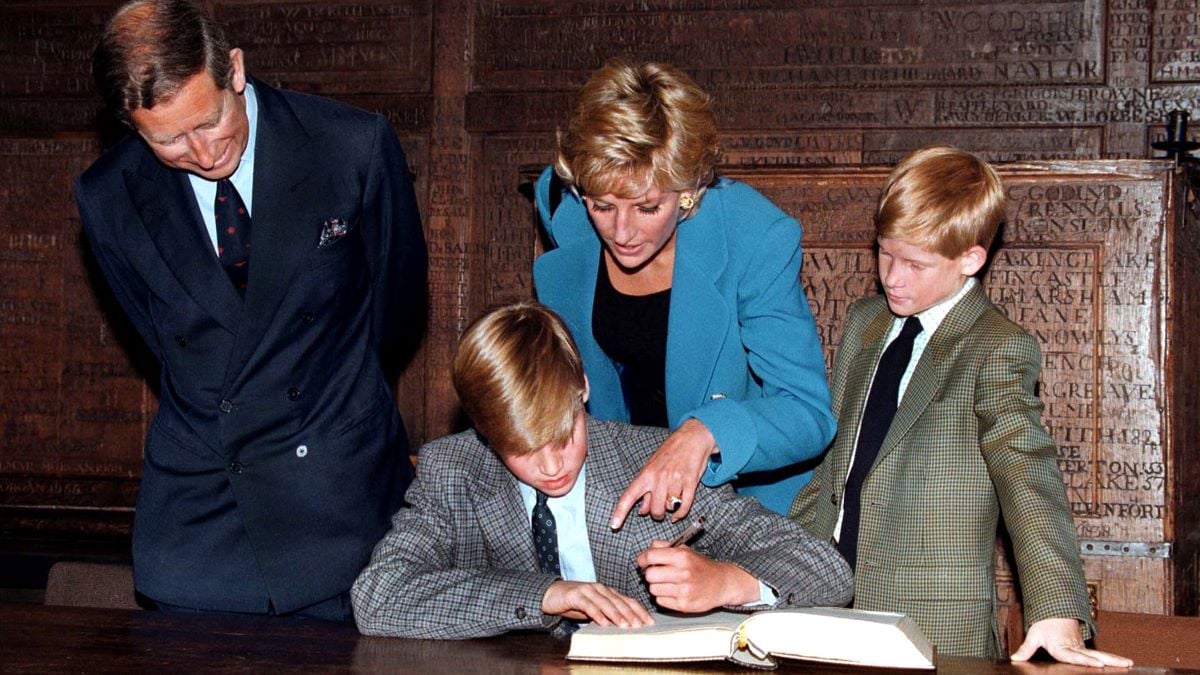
[(267, 247)]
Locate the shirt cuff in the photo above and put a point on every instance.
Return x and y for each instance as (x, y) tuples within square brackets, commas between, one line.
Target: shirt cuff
[(766, 595)]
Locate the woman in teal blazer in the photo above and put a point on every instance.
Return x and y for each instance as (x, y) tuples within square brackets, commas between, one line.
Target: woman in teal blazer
[(744, 380)]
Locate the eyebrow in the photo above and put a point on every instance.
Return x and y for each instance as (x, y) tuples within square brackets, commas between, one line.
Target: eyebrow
[(209, 121)]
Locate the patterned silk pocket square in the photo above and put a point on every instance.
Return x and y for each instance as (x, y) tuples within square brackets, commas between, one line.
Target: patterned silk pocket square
[(332, 230)]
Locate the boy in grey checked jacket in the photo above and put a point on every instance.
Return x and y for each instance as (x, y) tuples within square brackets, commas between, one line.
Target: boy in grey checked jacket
[(460, 562), (966, 442)]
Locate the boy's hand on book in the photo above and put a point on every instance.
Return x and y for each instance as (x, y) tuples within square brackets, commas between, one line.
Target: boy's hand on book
[(670, 476), (581, 601), (1061, 639), (686, 581)]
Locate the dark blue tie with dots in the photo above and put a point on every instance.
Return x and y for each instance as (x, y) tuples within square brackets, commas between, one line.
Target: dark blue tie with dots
[(545, 537), (233, 234)]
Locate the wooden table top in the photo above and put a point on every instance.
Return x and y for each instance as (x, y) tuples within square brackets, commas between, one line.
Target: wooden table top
[(39, 639)]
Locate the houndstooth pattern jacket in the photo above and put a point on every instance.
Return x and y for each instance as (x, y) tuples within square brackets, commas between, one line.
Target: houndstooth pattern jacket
[(459, 563), (967, 445)]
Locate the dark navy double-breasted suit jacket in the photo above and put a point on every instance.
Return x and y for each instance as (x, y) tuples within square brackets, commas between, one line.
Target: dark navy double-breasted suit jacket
[(277, 455)]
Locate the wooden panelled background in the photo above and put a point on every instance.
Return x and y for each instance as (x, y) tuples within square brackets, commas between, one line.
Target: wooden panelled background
[(475, 91)]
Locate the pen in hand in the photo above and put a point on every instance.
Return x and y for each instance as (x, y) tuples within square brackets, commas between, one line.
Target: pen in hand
[(689, 533)]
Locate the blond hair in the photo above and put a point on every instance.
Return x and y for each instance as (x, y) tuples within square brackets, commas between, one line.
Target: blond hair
[(943, 199), (637, 126), (520, 378)]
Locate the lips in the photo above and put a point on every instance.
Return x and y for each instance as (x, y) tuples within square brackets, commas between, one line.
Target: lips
[(555, 484), (627, 250)]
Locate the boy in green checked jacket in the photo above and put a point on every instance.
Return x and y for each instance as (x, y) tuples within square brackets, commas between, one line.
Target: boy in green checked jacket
[(940, 433)]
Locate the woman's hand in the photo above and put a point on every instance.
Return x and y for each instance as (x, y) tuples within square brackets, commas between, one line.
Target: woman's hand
[(670, 477)]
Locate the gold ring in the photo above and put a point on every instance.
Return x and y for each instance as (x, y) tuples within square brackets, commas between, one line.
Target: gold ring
[(673, 502)]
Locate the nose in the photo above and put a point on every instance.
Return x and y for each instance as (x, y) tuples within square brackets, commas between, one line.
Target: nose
[(891, 276), (550, 462), (623, 230), (201, 151)]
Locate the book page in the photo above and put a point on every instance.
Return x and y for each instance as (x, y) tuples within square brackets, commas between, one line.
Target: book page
[(881, 639), (701, 637)]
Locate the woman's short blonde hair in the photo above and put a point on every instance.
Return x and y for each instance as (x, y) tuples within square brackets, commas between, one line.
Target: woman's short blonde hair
[(943, 199), (520, 378), (637, 126)]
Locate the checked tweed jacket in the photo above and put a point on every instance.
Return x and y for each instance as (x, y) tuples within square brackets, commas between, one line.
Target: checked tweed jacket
[(967, 445), (459, 563)]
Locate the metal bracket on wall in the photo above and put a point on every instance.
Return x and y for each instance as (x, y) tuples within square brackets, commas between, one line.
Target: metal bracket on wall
[(1125, 549)]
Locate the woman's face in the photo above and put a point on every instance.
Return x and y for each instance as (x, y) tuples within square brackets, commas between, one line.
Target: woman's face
[(635, 230)]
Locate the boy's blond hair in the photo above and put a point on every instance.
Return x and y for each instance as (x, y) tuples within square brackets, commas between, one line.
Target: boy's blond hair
[(520, 378), (639, 125), (943, 199)]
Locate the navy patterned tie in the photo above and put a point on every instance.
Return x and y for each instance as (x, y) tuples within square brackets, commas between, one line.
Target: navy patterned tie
[(876, 421), (233, 234), (545, 537)]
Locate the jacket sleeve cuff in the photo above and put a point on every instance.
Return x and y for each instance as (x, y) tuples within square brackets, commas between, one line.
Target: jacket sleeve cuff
[(736, 438)]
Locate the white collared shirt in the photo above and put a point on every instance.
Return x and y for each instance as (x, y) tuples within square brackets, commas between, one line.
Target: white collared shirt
[(242, 179), (931, 319)]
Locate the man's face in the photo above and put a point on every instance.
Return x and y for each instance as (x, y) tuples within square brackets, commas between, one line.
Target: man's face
[(915, 278), (552, 469), (201, 129)]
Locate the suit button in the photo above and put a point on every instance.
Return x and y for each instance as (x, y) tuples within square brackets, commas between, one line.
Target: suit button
[(293, 393), (833, 498), (520, 612), (236, 467), (308, 318), (301, 450), (791, 598), (181, 341), (226, 406)]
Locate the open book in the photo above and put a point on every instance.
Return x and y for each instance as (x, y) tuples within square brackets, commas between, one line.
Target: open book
[(834, 635)]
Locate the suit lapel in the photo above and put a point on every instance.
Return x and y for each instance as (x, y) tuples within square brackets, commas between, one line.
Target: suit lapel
[(167, 205), (573, 269), (284, 205), (613, 553), (506, 525), (698, 312), (858, 383), (934, 367), (695, 335)]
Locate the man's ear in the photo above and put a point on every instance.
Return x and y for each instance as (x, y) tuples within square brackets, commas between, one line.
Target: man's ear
[(972, 261), (237, 71), (587, 389)]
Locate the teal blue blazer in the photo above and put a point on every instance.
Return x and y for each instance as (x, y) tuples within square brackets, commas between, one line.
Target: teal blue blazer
[(743, 355)]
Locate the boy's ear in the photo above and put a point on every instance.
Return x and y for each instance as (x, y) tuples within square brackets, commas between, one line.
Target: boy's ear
[(972, 261), (587, 389)]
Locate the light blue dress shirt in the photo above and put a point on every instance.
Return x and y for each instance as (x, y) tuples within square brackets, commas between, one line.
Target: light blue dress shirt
[(570, 520), (242, 178)]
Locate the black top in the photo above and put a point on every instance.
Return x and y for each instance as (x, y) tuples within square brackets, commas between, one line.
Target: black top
[(632, 331)]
